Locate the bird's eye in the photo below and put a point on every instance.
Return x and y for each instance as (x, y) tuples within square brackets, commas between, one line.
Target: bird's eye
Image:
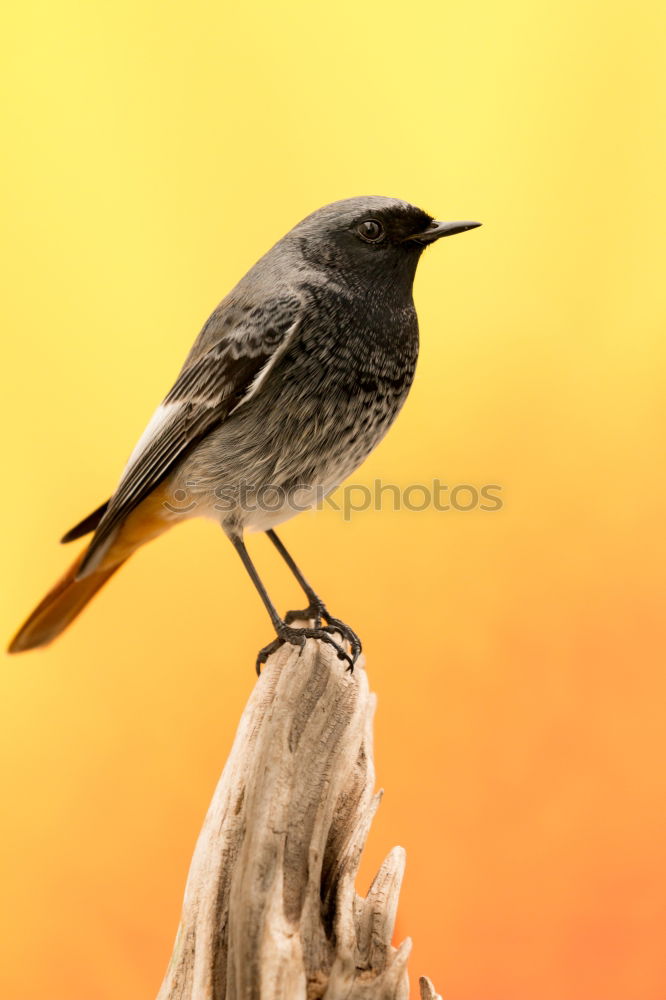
[(371, 231)]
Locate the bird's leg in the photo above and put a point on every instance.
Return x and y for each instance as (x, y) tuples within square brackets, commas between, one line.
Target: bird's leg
[(316, 608), (285, 633)]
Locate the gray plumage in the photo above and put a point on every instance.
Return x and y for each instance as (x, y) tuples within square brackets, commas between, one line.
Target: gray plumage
[(335, 329), (293, 380)]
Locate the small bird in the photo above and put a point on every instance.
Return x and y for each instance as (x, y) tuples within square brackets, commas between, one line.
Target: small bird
[(291, 383)]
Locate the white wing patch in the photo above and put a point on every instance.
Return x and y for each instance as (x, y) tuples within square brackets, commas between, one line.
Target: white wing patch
[(162, 414), (260, 377)]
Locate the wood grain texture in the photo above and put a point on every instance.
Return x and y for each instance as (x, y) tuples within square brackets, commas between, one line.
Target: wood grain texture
[(270, 908)]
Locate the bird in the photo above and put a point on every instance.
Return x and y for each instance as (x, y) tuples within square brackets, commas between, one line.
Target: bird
[(293, 380)]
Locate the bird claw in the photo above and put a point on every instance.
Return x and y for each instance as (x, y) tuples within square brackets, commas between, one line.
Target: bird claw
[(298, 636), (347, 633), (316, 612)]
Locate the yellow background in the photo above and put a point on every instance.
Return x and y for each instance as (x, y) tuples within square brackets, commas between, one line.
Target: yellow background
[(152, 152)]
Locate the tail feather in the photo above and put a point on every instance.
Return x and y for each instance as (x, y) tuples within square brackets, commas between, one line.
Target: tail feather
[(85, 526), (60, 607)]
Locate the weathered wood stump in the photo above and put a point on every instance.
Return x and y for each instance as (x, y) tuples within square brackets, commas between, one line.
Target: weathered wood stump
[(270, 909)]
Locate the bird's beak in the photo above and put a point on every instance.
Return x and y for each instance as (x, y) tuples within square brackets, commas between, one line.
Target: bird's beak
[(437, 229)]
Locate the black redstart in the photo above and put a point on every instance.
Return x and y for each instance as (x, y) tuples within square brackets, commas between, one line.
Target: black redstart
[(292, 382)]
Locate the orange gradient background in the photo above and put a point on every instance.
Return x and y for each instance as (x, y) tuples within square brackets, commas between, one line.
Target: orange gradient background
[(152, 152)]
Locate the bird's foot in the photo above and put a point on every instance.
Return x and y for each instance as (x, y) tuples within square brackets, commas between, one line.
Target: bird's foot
[(297, 637), (316, 612), (347, 633)]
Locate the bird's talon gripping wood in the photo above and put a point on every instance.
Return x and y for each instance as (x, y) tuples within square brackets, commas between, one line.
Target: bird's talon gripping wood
[(298, 637), (347, 633), (317, 611)]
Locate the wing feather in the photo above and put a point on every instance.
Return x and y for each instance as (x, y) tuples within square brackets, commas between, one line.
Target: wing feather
[(209, 388)]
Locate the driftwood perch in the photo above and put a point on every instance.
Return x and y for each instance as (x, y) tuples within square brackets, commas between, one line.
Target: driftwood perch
[(270, 909)]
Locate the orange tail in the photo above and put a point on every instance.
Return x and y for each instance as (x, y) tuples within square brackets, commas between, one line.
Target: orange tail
[(60, 607)]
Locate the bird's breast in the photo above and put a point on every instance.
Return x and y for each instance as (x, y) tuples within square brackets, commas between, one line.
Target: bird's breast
[(323, 407)]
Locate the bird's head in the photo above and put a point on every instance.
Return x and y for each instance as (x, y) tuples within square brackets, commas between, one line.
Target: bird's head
[(370, 239)]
